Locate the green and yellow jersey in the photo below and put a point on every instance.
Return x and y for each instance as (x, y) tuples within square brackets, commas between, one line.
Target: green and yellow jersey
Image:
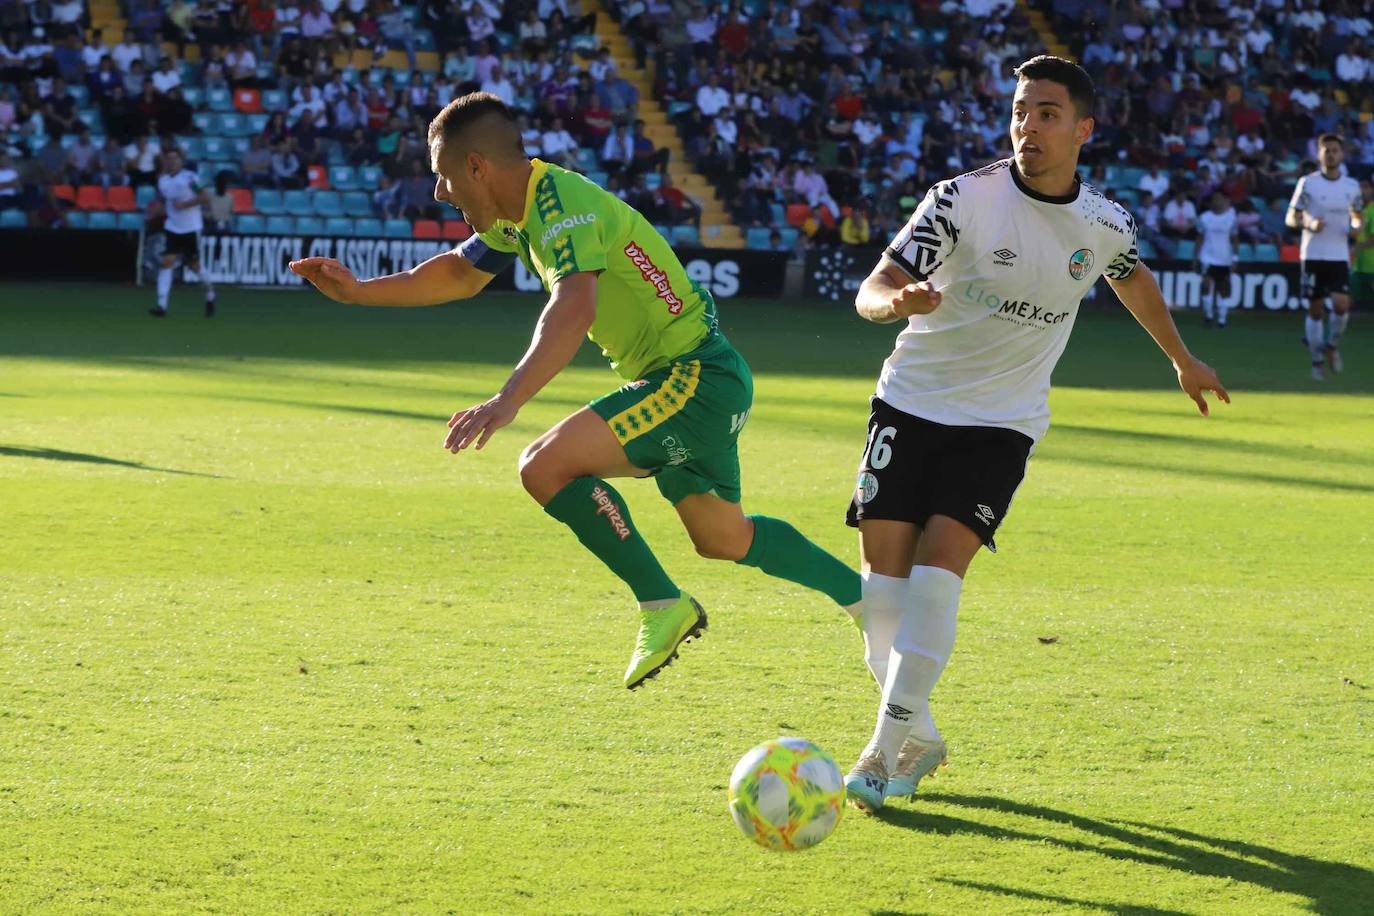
[(1364, 261), (647, 312)]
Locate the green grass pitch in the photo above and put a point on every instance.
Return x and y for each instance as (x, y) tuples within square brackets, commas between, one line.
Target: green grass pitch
[(265, 647)]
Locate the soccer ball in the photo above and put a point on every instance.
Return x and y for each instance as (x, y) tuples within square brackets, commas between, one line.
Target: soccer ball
[(786, 794)]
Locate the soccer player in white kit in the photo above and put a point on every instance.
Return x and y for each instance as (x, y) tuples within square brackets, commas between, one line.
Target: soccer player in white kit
[(182, 196), (1326, 206), (988, 275), (1216, 254)]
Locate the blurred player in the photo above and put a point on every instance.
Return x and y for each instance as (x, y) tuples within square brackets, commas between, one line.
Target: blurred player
[(1216, 255), (612, 278), (988, 275), (182, 196), (1326, 206)]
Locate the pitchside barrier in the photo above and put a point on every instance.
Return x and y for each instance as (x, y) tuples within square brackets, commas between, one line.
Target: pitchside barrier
[(1261, 285)]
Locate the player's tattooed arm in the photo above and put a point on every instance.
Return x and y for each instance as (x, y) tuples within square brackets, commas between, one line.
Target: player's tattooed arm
[(889, 294), (1141, 295)]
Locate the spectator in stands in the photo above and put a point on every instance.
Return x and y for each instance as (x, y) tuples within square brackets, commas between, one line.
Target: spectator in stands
[(359, 150), (82, 158), (306, 134), (498, 85), (417, 193), (348, 114), (241, 66), (1179, 216), (67, 57), (317, 27), (855, 228), (166, 77), (9, 182), (141, 159), (59, 110), (112, 165), (558, 145), (618, 152), (173, 113), (674, 207), (638, 196), (218, 208), (306, 98), (1155, 182), (775, 242), (647, 156), (386, 200), (286, 165), (255, 165), (461, 68), (396, 30), (103, 79)]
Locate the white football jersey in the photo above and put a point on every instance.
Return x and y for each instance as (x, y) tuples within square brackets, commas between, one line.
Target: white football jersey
[(1215, 228), (174, 188), (1329, 200), (1012, 266)]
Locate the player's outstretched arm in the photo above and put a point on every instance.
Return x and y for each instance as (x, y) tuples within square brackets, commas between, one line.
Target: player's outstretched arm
[(561, 329), (888, 294), (443, 278), (1140, 294)]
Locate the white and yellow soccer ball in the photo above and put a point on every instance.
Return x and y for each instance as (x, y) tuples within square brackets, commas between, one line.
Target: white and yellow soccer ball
[(786, 794)]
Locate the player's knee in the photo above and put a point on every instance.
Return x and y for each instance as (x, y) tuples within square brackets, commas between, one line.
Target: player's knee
[(718, 545)]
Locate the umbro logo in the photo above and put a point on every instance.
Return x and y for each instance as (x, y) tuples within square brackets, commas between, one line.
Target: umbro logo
[(899, 713), (1003, 256), (985, 515)]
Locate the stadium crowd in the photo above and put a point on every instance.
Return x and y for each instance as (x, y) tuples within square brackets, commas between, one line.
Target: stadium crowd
[(820, 124)]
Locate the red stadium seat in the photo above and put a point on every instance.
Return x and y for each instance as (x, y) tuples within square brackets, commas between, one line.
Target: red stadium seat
[(243, 200), (91, 197), (318, 177), (426, 229), (248, 101), (797, 214), (121, 199), (455, 230), (64, 192), (1289, 253)]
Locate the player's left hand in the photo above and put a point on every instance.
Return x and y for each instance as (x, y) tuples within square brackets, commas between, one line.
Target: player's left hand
[(475, 425), (1195, 377)]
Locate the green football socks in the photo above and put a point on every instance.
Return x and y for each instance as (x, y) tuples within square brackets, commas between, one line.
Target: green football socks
[(597, 514), (781, 550)]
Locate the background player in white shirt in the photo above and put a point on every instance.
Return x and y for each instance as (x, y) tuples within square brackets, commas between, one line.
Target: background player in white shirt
[(1326, 206), (182, 197), (1216, 254), (988, 273)]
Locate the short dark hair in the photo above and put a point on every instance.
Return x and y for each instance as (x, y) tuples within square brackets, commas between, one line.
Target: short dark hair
[(1067, 74), (467, 110), (1330, 138)]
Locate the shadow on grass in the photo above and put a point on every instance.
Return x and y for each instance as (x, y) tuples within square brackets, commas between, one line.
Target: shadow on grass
[(1198, 470), (52, 454), (1199, 444), (1329, 887), (1124, 909)]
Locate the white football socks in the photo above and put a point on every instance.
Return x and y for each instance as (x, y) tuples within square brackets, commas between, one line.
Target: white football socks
[(1316, 338), (1221, 307), (164, 286), (920, 652), (885, 599), (1207, 299), (1338, 325)]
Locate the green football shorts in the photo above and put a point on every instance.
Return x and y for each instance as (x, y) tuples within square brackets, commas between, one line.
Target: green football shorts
[(682, 422)]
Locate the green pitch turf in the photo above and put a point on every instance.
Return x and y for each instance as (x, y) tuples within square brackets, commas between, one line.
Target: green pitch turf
[(265, 647)]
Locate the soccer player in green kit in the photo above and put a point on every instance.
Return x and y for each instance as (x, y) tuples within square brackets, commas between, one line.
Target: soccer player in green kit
[(612, 278)]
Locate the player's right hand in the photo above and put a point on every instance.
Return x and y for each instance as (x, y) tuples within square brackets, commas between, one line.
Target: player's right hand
[(329, 277), (1315, 224), (916, 299)]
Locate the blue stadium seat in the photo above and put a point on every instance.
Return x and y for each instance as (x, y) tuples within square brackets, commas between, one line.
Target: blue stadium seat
[(401, 78), (371, 228), (90, 117), (653, 181), (586, 159), (216, 149), (1245, 252), (230, 124), (102, 220), (328, 203), (250, 224), (333, 153), (239, 145), (338, 225), (219, 99), (205, 122), (350, 75), (343, 178), (309, 225), (133, 221), (597, 178), (1266, 252), (192, 96), (779, 214), (757, 238), (206, 172), (1145, 249), (13, 219), (789, 235), (297, 203), (76, 219), (357, 204), (370, 176), (665, 231), (192, 147), (68, 140), (80, 93), (1185, 250), (144, 195), (280, 225), (686, 235), (257, 123), (268, 202), (396, 229), (274, 100)]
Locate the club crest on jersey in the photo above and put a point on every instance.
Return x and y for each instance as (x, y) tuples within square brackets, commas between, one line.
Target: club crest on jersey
[(1080, 263), (511, 235), (868, 487)]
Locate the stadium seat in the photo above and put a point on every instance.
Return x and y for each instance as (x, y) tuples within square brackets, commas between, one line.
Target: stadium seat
[(370, 176), (1185, 250), (686, 235), (13, 219), (296, 203), (1245, 252), (309, 225), (1289, 253), (1145, 249), (797, 214), (757, 238), (426, 229), (371, 228), (249, 224), (144, 195), (120, 198), (205, 122), (789, 236), (102, 220), (456, 230), (1266, 252), (273, 100), (318, 177), (268, 202), (192, 96), (338, 225), (192, 148), (64, 192), (597, 178), (206, 171), (80, 94), (214, 148), (239, 145), (219, 100), (343, 178), (779, 214), (356, 204), (243, 199), (90, 117), (129, 221), (328, 203), (396, 229), (247, 101), (257, 123), (231, 124), (78, 219), (91, 197), (280, 225)]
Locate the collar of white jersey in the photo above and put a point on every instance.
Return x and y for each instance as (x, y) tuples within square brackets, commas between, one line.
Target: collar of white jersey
[(1044, 198)]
